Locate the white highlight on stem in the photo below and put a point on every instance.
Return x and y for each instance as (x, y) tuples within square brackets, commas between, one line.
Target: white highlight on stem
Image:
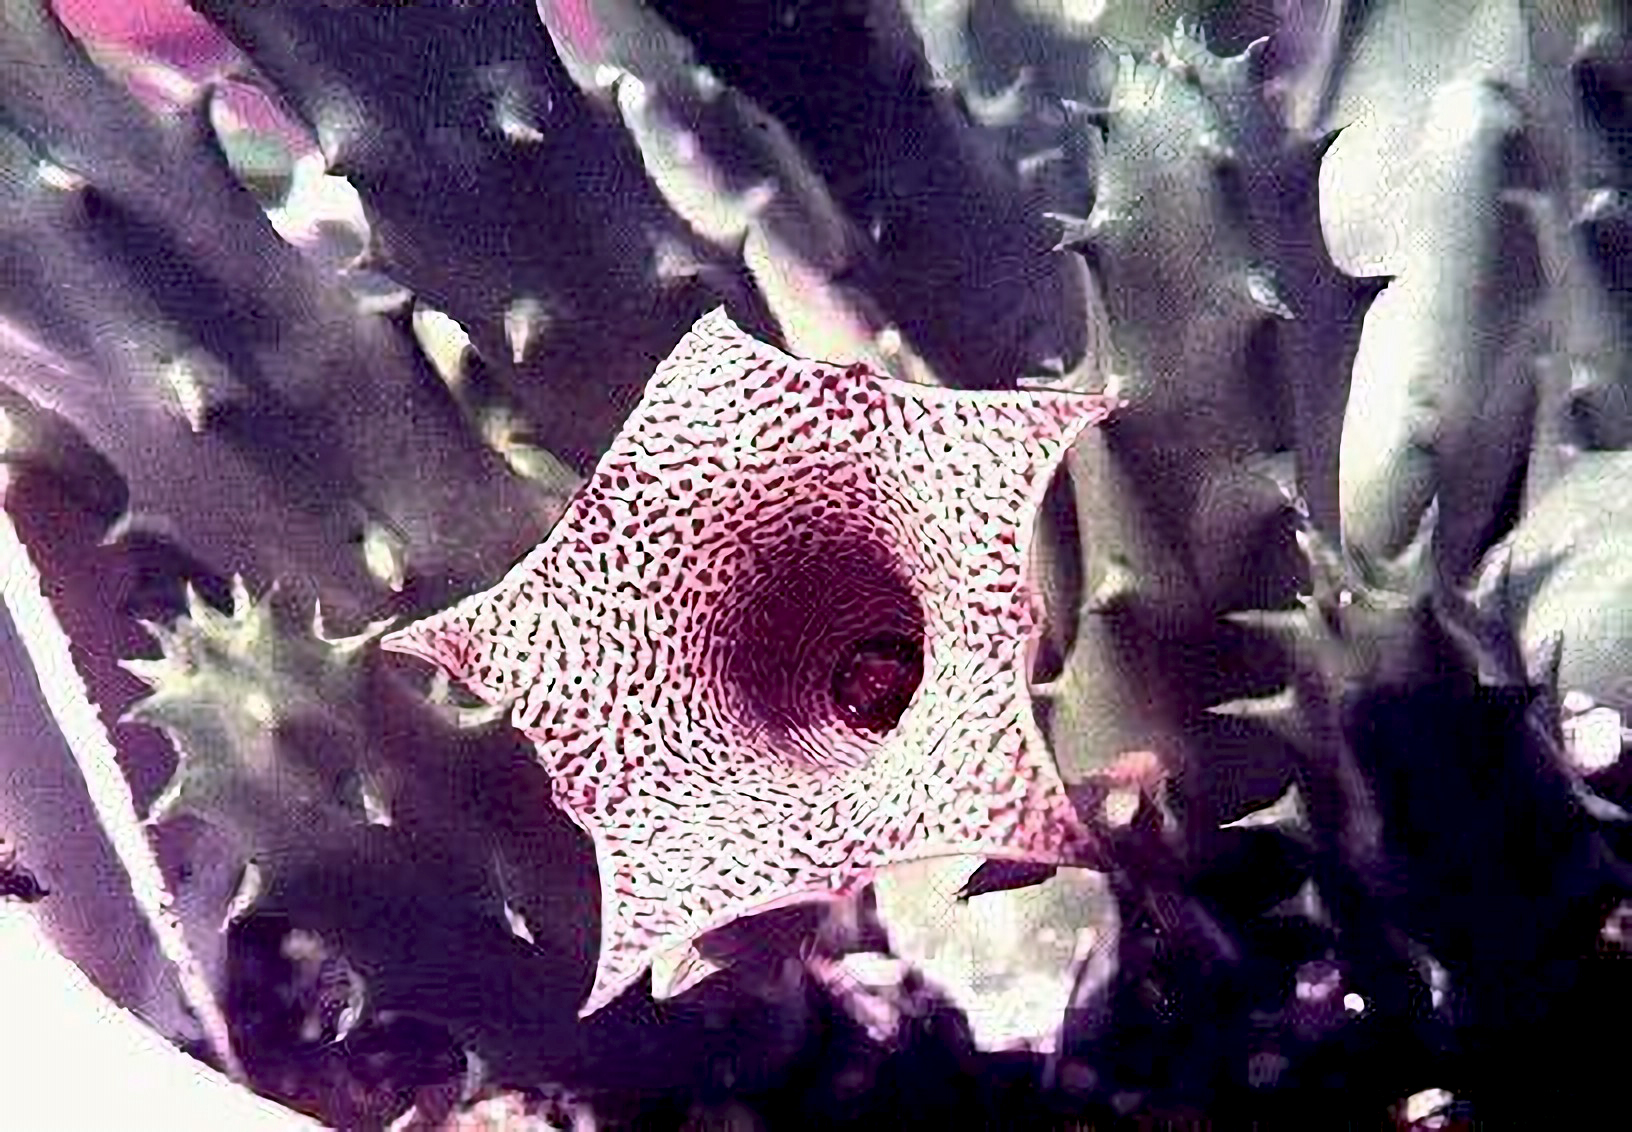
[(1595, 738), (70, 705)]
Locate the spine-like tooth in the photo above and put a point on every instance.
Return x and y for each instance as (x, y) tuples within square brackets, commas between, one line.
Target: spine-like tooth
[(1287, 814), (1282, 713)]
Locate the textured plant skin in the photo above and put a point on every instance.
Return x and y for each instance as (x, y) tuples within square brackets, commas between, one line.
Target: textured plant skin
[(1577, 143), (1568, 563), (1539, 193), (247, 703), (1382, 656), (1229, 333), (692, 654), (1448, 352), (1386, 656), (1022, 75), (198, 388), (470, 132), (738, 179), (951, 241)]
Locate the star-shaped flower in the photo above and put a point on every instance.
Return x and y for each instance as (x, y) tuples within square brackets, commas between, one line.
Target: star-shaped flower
[(780, 639)]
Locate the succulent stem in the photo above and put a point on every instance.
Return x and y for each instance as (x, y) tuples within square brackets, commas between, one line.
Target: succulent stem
[(93, 751)]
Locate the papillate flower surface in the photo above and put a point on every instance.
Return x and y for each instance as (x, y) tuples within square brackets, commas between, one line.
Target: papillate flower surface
[(781, 639)]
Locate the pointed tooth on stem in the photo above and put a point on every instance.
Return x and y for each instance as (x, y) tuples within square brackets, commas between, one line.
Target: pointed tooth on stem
[(1281, 712), (676, 971)]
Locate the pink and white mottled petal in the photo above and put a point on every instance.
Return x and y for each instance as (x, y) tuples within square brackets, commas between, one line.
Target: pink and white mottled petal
[(671, 647)]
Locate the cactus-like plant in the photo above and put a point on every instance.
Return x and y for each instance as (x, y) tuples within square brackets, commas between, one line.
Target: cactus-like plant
[(1319, 640)]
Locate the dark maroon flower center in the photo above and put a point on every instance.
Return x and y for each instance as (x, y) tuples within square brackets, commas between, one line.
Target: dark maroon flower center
[(874, 680)]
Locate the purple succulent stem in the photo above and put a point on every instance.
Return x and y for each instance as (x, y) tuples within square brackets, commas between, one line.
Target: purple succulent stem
[(269, 473), (955, 245), (168, 34), (86, 821), (493, 187)]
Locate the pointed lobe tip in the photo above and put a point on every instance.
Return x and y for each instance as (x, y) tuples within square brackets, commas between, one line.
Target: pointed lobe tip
[(434, 641)]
